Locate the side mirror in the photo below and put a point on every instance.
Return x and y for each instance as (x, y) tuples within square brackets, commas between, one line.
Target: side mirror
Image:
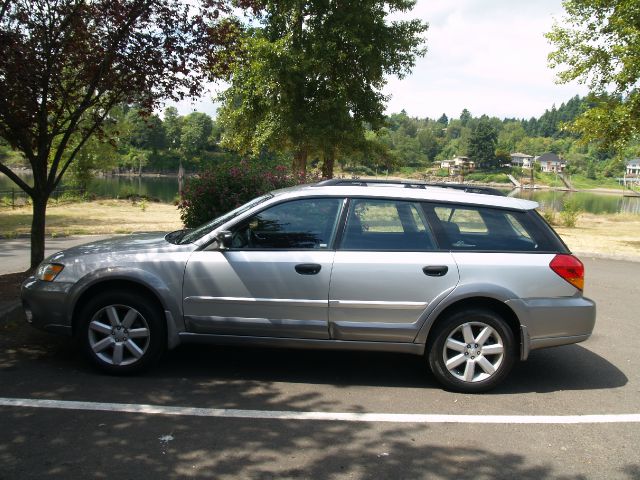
[(224, 239)]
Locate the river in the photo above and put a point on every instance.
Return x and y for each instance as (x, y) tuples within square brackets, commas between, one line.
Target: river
[(165, 189)]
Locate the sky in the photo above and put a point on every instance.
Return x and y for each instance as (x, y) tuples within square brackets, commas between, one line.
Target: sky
[(488, 56)]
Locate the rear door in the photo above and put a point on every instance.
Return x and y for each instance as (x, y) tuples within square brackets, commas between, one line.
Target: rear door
[(386, 272)]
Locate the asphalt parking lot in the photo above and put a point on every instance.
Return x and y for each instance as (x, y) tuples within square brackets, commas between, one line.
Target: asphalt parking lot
[(254, 413)]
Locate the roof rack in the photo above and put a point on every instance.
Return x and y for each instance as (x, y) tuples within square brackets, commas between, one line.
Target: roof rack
[(408, 184)]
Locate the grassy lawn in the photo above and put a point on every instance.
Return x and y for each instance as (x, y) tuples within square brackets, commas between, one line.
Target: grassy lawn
[(583, 183), (96, 217)]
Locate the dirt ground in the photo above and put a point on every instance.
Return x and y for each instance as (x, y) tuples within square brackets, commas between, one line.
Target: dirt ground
[(607, 235)]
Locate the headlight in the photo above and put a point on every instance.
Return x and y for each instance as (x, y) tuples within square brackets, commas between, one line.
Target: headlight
[(49, 271)]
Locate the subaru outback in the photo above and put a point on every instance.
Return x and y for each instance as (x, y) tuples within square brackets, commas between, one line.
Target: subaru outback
[(469, 279)]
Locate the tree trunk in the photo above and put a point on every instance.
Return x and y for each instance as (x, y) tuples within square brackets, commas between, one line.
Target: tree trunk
[(328, 162), (180, 177), (533, 176), (37, 229), (300, 160)]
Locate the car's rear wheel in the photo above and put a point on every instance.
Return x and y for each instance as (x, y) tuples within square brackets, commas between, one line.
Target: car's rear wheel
[(121, 332), (471, 350)]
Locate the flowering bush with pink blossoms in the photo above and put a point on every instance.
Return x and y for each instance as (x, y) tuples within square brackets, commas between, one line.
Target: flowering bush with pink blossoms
[(219, 190)]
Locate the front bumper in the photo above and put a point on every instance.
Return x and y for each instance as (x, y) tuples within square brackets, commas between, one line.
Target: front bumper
[(45, 305)]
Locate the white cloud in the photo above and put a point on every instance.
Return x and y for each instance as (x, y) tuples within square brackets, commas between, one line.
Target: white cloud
[(487, 56)]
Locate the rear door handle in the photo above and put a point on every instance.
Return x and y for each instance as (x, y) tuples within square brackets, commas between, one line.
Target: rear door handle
[(308, 268), (435, 270)]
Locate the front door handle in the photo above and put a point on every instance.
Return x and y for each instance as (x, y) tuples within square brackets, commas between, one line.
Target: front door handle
[(435, 270), (308, 268)]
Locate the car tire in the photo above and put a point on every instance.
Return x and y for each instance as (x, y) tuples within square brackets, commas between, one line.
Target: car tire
[(122, 332), (471, 350)]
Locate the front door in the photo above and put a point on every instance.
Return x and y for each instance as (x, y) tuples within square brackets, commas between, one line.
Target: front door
[(273, 281)]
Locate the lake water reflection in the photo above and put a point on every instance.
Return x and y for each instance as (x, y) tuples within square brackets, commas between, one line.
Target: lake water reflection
[(165, 189), (587, 201)]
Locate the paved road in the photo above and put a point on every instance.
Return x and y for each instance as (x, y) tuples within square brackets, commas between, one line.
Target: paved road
[(15, 253), (601, 376)]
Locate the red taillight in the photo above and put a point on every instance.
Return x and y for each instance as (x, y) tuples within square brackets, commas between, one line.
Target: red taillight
[(570, 269)]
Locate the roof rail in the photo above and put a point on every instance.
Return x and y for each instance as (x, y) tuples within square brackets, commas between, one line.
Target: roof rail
[(408, 184)]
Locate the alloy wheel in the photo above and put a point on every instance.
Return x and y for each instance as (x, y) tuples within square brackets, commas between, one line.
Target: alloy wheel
[(119, 335)]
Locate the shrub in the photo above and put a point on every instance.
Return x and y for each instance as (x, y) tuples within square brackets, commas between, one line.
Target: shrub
[(127, 191), (550, 216), (487, 177), (219, 190), (570, 212)]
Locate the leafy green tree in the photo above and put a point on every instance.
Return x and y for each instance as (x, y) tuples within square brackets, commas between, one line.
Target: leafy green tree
[(428, 143), (377, 153), (534, 145), (313, 72), (510, 135), (65, 64), (98, 153), (598, 43), (465, 116), (145, 132), (502, 157), (408, 149), (173, 128), (548, 123), (449, 150), (196, 129), (482, 144)]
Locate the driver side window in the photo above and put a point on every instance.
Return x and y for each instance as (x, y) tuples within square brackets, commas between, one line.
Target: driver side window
[(299, 224)]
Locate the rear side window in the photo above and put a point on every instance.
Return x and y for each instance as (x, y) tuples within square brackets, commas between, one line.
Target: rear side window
[(468, 220), (386, 225), (469, 228)]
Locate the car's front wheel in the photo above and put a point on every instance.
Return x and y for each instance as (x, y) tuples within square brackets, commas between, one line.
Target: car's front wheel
[(471, 350), (121, 332)]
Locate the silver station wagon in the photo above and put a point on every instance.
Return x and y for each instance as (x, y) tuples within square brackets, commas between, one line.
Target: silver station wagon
[(471, 281)]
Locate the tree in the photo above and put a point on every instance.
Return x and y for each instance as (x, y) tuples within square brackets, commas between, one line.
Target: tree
[(313, 72), (64, 65), (428, 143), (598, 44), (482, 144), (172, 127), (465, 116), (511, 134), (196, 129), (146, 131)]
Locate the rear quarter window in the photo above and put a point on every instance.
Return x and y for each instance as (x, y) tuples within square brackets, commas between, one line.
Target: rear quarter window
[(479, 228)]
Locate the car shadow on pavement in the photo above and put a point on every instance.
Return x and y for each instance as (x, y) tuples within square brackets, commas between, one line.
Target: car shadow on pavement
[(569, 367)]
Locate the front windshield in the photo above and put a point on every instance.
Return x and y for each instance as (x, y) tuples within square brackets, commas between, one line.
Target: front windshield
[(202, 230)]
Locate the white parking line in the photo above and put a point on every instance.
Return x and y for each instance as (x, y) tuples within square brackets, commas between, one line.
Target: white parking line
[(325, 416)]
